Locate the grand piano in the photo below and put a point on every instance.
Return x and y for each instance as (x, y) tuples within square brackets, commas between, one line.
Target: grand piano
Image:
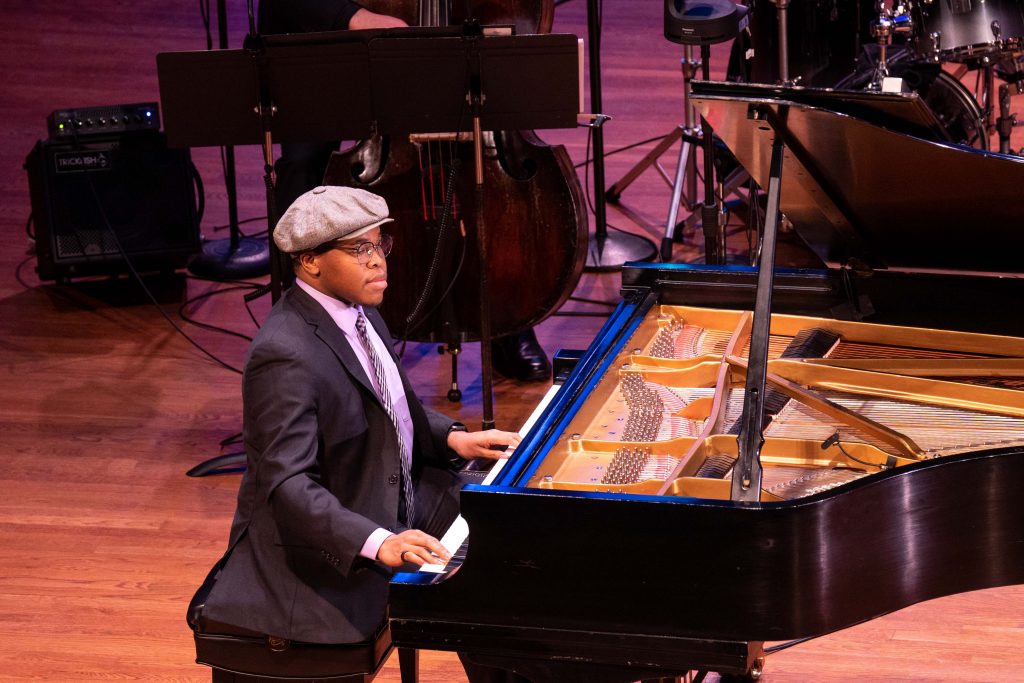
[(746, 455)]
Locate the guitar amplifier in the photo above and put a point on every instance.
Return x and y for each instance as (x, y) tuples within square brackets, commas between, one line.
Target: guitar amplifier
[(107, 197), (77, 123)]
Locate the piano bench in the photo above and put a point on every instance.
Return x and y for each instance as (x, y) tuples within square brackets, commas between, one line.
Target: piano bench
[(237, 655)]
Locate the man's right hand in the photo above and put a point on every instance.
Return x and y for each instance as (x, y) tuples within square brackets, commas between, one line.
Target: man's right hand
[(412, 546), (364, 18)]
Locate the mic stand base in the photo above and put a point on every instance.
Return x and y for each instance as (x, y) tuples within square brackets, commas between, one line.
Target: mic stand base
[(218, 260), (610, 251)]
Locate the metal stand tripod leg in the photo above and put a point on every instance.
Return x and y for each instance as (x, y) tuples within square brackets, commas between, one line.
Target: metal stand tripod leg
[(650, 159), (689, 133), (686, 174)]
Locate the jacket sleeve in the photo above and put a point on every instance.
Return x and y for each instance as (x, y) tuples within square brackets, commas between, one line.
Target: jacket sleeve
[(305, 16), (281, 433)]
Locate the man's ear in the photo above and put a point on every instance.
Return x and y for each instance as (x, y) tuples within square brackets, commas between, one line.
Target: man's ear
[(308, 262)]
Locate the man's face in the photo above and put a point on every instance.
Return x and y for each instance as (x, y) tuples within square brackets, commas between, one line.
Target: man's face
[(337, 273)]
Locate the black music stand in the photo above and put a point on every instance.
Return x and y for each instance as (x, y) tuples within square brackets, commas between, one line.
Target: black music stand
[(274, 92), (238, 256), (510, 83)]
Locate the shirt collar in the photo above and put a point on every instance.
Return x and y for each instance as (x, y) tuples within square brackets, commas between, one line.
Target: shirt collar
[(343, 314)]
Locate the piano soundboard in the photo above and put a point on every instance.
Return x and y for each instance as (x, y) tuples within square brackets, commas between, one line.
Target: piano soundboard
[(846, 400)]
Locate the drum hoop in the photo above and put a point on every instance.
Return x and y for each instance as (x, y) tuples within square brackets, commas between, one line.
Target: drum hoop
[(963, 93), (1010, 46)]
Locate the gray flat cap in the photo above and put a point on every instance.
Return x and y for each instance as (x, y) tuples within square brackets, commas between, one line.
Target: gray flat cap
[(329, 213)]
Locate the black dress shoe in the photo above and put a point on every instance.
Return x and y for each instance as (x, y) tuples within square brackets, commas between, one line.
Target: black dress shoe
[(520, 356)]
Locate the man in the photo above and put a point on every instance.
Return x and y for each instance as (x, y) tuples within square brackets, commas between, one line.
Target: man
[(348, 475), (301, 166)]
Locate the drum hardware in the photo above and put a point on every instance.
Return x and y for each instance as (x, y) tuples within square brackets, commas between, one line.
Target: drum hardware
[(973, 33), (891, 21), (1013, 80), (1006, 120)]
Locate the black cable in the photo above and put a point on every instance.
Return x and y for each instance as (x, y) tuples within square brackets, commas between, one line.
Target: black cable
[(597, 302), (197, 182), (207, 326), (28, 226), (834, 439), (625, 148), (580, 314), (135, 273), (17, 271), (225, 226), (440, 299), (248, 310)]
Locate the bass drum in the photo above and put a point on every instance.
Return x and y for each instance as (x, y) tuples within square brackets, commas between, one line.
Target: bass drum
[(953, 104)]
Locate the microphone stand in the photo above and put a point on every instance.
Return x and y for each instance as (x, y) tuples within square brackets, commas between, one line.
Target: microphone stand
[(265, 108), (236, 257), (612, 251)]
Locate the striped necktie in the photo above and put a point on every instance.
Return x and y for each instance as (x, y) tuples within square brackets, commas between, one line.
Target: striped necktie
[(385, 399)]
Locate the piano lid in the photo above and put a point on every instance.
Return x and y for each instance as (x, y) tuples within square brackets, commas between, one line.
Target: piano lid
[(868, 178)]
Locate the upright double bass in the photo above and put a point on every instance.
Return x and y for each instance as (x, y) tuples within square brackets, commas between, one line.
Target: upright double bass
[(534, 208)]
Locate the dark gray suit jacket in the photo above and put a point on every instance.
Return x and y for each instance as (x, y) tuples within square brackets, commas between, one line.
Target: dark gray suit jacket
[(323, 473)]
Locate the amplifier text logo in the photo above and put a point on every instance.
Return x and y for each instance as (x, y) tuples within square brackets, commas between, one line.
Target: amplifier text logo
[(78, 162)]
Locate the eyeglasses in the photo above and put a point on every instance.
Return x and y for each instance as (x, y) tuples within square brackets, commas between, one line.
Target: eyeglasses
[(363, 251)]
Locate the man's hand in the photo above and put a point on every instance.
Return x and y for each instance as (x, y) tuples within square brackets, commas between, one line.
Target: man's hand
[(412, 545), (483, 444), (364, 18)]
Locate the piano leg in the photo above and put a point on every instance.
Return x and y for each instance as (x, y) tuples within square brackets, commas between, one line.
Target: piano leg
[(409, 664)]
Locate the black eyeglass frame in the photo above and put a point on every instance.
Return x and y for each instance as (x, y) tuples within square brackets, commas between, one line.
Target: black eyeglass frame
[(362, 250)]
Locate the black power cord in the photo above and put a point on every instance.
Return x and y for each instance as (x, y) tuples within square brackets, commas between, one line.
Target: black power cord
[(135, 274)]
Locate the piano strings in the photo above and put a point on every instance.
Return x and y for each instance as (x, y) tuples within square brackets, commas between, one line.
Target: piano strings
[(849, 400)]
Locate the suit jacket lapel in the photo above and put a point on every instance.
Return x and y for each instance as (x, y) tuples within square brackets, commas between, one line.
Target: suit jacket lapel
[(328, 332)]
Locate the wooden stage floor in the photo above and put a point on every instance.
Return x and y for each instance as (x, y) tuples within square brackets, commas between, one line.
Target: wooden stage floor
[(105, 406)]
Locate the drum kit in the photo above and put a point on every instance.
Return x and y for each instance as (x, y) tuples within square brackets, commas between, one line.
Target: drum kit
[(926, 46), (929, 47)]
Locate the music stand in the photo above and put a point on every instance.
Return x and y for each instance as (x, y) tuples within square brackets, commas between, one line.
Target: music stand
[(511, 83), (269, 92), (275, 93)]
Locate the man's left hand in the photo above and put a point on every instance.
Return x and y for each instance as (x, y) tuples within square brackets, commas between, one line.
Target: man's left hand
[(492, 444)]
